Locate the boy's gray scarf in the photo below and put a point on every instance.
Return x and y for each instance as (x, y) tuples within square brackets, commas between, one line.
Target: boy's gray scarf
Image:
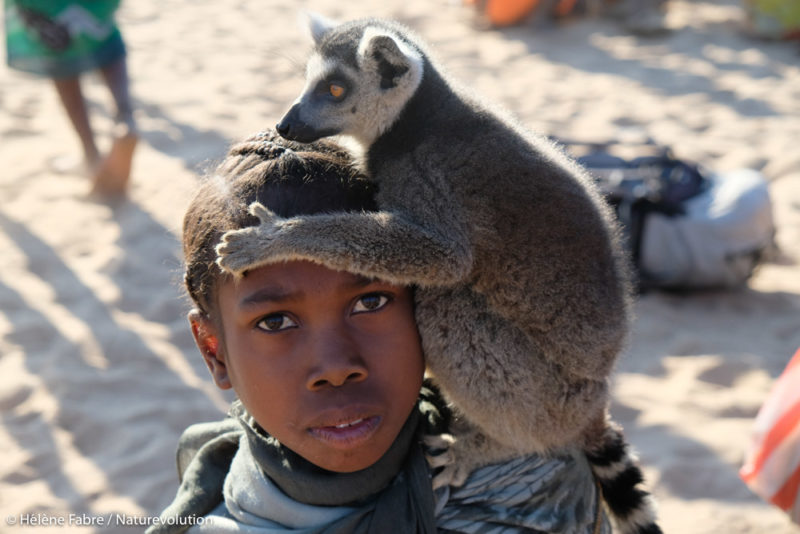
[(393, 495)]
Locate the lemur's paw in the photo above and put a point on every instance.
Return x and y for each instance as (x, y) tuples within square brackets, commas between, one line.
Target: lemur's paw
[(438, 452), (239, 249), (246, 248), (440, 460), (440, 455), (264, 214), (451, 475), (434, 442)]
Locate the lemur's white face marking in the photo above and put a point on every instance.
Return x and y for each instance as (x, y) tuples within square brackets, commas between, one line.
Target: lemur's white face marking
[(361, 100), (318, 68)]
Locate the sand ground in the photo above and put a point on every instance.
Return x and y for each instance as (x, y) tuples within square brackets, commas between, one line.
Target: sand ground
[(100, 375)]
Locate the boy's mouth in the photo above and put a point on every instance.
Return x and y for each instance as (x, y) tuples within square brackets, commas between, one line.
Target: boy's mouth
[(348, 433), (345, 425)]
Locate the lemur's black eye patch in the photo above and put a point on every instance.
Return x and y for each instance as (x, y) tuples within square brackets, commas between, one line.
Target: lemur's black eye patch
[(333, 87)]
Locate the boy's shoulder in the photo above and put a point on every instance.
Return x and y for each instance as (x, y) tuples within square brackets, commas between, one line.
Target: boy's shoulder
[(204, 456), (532, 493), (217, 439)]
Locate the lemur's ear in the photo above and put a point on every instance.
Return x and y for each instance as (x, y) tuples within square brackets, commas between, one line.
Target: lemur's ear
[(391, 57), (317, 25)]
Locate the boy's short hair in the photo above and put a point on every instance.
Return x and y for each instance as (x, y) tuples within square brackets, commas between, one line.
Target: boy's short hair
[(287, 177)]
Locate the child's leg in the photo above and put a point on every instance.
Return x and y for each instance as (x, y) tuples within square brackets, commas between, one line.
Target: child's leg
[(116, 78), (69, 91), (113, 174)]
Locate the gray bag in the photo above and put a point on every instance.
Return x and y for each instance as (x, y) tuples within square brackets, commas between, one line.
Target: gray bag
[(685, 229), (718, 240)]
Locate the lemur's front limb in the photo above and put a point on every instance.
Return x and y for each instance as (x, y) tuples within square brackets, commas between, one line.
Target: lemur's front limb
[(376, 244)]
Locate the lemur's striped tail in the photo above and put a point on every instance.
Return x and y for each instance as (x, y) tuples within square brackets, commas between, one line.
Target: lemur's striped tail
[(617, 471)]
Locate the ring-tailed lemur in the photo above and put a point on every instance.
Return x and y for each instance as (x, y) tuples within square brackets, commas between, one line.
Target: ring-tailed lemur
[(523, 297)]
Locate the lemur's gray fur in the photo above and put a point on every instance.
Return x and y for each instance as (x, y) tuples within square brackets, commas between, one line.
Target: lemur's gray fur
[(523, 299)]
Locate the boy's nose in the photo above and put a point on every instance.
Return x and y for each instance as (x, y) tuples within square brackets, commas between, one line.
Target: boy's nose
[(336, 362)]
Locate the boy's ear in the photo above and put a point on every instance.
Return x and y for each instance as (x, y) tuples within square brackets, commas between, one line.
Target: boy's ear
[(206, 338)]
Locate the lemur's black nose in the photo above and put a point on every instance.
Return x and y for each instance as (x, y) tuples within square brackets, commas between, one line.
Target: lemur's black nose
[(283, 127), (293, 128)]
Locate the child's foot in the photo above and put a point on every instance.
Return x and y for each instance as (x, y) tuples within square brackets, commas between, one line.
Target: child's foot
[(112, 175), (73, 164)]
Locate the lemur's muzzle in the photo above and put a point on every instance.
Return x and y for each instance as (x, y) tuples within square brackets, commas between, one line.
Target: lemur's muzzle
[(291, 127)]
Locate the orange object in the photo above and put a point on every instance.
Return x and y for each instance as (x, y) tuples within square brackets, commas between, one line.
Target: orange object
[(508, 12)]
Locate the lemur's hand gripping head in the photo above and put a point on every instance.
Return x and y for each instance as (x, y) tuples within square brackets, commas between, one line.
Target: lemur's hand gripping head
[(358, 79)]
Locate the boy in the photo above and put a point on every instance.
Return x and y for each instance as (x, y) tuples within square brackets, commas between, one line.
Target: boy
[(327, 435)]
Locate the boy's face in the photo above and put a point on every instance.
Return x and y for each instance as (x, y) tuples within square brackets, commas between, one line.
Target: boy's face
[(327, 362)]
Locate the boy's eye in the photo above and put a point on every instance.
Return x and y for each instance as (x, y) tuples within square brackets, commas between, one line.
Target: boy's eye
[(371, 302), (336, 90), (276, 322)]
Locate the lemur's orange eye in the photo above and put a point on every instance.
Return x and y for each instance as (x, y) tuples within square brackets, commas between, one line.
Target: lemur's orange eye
[(336, 90)]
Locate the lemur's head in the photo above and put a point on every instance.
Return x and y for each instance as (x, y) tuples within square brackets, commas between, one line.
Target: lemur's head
[(358, 79)]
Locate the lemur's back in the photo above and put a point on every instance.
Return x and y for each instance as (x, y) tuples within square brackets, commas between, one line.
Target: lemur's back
[(453, 141), (535, 223)]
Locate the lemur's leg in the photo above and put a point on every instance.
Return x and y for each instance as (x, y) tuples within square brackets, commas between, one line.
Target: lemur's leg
[(574, 302), (377, 244), (496, 377)]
